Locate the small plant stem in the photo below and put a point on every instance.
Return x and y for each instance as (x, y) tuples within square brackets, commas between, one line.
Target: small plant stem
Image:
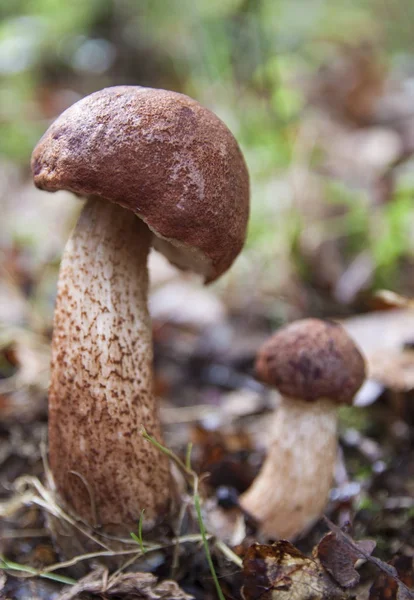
[(194, 480), (189, 474), (138, 538), (12, 566), (188, 456), (206, 546)]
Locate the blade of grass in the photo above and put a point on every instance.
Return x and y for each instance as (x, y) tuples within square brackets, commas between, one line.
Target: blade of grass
[(192, 475), (206, 546), (187, 472), (188, 456), (12, 566), (138, 538)]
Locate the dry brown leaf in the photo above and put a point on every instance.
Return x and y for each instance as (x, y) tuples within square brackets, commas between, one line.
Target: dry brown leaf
[(387, 588), (339, 558), (281, 571), (387, 569), (128, 586), (221, 454)]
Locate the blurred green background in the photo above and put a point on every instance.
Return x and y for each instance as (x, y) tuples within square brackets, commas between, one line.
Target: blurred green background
[(319, 94)]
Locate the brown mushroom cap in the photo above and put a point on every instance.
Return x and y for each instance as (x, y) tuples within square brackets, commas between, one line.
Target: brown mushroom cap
[(312, 359), (161, 155)]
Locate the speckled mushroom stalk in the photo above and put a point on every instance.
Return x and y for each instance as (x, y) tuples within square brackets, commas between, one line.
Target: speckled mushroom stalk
[(157, 168), (100, 393), (315, 366)]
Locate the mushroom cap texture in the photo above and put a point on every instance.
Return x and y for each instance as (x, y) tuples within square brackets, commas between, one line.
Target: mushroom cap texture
[(312, 359), (161, 155)]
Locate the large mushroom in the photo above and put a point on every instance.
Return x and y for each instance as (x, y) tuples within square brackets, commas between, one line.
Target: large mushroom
[(156, 168), (316, 367)]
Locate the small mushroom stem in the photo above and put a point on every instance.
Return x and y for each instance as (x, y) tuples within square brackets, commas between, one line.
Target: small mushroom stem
[(291, 490), (101, 391)]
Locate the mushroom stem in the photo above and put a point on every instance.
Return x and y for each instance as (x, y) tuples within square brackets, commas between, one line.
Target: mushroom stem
[(101, 391), (291, 490)]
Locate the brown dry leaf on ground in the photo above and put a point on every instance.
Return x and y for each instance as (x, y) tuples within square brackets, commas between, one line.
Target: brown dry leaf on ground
[(392, 577), (128, 586), (387, 588), (282, 571), (221, 454), (339, 558)]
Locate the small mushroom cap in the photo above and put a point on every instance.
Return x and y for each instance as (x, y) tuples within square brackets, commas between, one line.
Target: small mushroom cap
[(161, 155), (312, 359)]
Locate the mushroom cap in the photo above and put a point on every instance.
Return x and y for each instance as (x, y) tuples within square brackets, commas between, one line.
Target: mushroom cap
[(161, 155), (312, 359)]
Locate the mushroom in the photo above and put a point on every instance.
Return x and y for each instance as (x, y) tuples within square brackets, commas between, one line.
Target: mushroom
[(156, 168), (316, 367)]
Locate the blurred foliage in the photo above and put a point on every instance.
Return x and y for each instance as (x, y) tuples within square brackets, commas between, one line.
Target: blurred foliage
[(237, 54), (245, 59)]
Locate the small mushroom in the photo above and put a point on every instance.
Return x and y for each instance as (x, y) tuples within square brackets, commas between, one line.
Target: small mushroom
[(316, 367), (156, 168)]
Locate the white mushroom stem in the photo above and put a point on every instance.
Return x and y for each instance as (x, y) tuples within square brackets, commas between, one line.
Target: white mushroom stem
[(292, 488), (101, 391)]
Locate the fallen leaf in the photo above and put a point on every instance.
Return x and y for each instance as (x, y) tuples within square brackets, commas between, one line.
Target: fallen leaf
[(282, 571), (384, 338), (339, 558), (128, 586), (222, 454), (387, 588), (387, 569)]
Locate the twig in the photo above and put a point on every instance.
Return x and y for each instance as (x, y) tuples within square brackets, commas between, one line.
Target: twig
[(47, 501), (90, 494), (228, 553)]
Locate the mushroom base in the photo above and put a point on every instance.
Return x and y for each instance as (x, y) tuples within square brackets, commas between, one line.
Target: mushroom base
[(101, 383), (292, 488)]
